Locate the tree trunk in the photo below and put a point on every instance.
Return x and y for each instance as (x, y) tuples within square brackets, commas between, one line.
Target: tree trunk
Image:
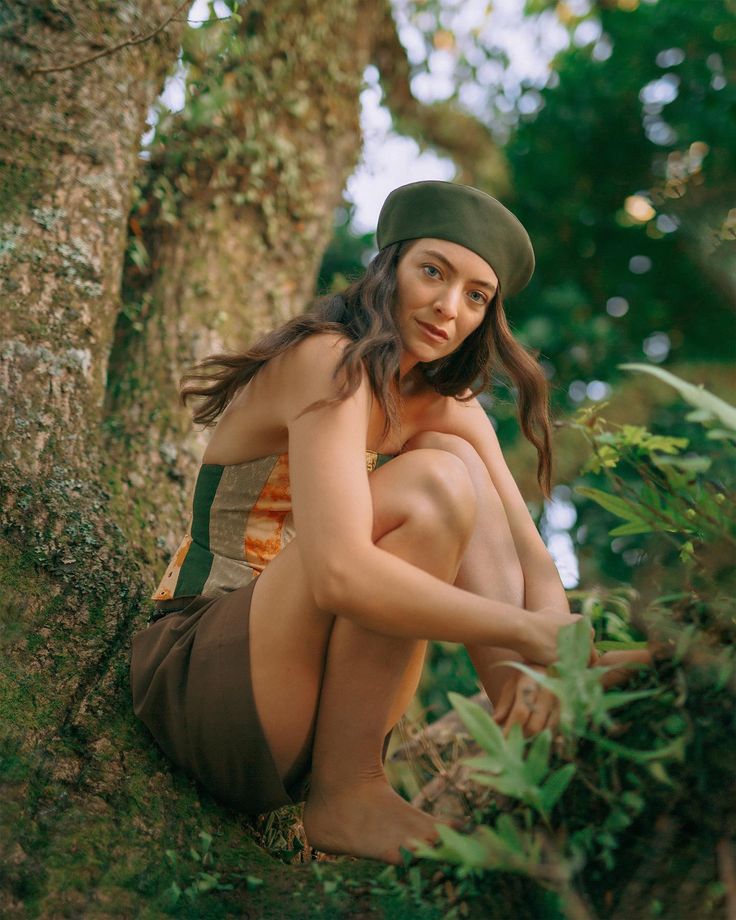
[(234, 213), (240, 206), (67, 161)]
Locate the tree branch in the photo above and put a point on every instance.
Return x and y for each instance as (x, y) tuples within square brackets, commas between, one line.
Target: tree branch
[(135, 40), (441, 125)]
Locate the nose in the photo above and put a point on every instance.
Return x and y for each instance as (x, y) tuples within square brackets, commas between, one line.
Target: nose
[(447, 303)]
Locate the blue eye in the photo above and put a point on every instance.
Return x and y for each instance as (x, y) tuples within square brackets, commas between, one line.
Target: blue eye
[(433, 268), (482, 297)]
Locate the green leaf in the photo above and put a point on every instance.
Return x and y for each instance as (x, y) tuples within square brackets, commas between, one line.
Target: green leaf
[(610, 646), (621, 507), (553, 789), (720, 434), (699, 397), (537, 758), (138, 253), (206, 882), (455, 848), (544, 680), (573, 645), (698, 415), (658, 772), (511, 782), (686, 464), (612, 699), (479, 723), (675, 750), (509, 833), (633, 801), (633, 527), (515, 741), (486, 763), (175, 892)]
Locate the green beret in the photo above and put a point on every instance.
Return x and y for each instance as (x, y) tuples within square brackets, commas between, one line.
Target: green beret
[(464, 215)]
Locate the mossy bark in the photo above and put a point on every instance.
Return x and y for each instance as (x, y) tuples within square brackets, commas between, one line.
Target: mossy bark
[(89, 804)]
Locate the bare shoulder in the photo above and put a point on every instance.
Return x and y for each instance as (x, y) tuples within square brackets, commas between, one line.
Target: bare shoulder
[(307, 371), (312, 363), (463, 417), (316, 355), (319, 352)]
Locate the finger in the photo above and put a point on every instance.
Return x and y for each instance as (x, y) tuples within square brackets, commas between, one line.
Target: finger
[(504, 702), (553, 720), (518, 716), (553, 717), (542, 711), (528, 694), (537, 719)]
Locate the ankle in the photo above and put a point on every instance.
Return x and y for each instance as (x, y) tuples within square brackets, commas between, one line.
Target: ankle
[(330, 781)]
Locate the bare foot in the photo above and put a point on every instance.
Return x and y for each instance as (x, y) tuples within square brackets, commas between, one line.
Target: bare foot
[(366, 819)]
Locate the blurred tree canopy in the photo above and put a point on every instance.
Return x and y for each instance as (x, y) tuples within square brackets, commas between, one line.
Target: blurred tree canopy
[(626, 179), (623, 168)]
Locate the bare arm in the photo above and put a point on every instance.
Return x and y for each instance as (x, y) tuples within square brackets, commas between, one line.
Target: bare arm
[(333, 515)]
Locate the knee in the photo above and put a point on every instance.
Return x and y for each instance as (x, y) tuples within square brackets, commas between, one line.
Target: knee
[(485, 493), (450, 443), (462, 449), (443, 492)]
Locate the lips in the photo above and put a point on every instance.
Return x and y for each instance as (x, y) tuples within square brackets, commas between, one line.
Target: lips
[(434, 331)]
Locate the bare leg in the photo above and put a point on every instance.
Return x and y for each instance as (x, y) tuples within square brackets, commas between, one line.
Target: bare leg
[(490, 566), (319, 676)]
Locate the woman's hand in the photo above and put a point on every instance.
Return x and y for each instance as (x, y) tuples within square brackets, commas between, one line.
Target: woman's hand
[(539, 628), (526, 703)]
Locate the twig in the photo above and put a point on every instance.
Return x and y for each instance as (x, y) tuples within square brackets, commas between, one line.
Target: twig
[(135, 40)]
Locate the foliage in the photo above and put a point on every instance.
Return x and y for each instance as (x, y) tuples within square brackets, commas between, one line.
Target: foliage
[(670, 493), (585, 814), (191, 885), (624, 178)]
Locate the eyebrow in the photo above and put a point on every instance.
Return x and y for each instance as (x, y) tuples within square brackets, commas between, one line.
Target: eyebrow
[(448, 264)]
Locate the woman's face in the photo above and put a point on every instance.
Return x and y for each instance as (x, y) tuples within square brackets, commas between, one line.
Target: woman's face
[(443, 292)]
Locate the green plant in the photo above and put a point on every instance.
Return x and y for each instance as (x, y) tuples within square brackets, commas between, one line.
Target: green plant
[(195, 874), (617, 803), (669, 494)]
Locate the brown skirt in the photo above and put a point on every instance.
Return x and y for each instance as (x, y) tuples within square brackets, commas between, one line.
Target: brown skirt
[(191, 686)]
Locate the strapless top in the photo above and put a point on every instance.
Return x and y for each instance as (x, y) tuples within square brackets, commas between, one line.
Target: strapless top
[(241, 518)]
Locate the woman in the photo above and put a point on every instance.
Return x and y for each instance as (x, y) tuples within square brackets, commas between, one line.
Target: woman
[(293, 620)]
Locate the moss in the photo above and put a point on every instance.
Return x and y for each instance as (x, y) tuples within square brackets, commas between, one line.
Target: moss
[(18, 185), (91, 808)]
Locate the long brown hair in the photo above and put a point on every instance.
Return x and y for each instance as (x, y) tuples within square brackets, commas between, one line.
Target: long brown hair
[(364, 313)]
